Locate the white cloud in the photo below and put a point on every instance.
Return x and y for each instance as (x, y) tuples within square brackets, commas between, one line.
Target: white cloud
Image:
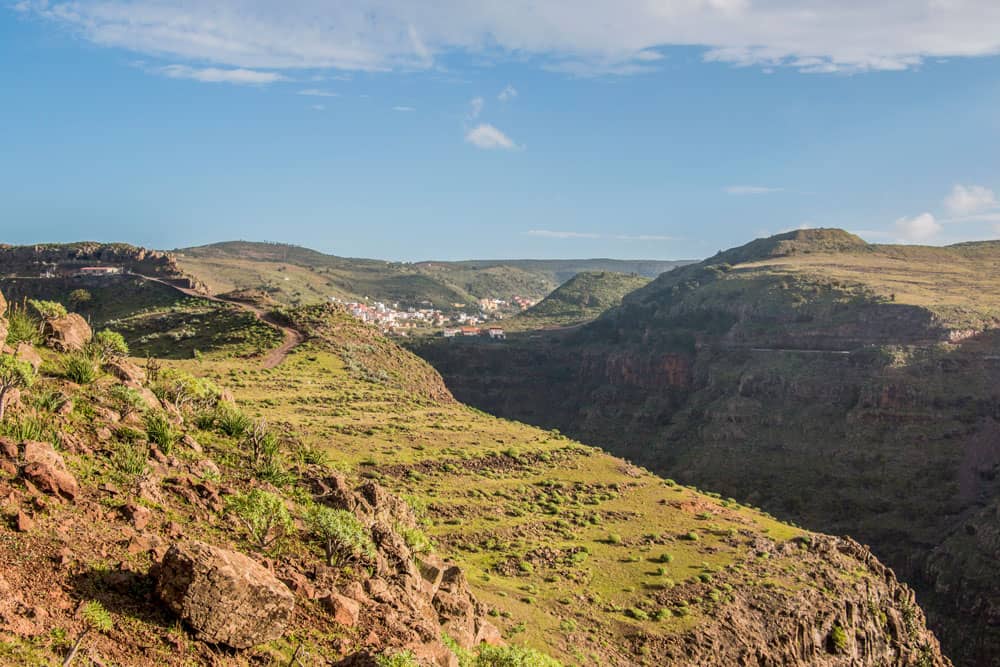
[(595, 37), (751, 190), (919, 228), (996, 229), (316, 92), (967, 200), (217, 75), (318, 107), (487, 137), (507, 94), (476, 105), (404, 109)]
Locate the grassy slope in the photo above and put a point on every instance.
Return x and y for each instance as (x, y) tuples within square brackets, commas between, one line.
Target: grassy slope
[(300, 275), (512, 504), (578, 300)]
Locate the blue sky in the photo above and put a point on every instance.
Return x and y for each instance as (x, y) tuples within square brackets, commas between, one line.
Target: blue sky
[(385, 130)]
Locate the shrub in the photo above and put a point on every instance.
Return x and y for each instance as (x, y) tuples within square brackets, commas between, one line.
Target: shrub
[(665, 558), (416, 539), (78, 297), (160, 431), (25, 428), (126, 399), (343, 536), (614, 538), (22, 327), (513, 656), (131, 459), (231, 420), (690, 537), (838, 639), (403, 659), (264, 516), (637, 614), (80, 368), (48, 310), (185, 390), (49, 400), (107, 345), (260, 441), (14, 374)]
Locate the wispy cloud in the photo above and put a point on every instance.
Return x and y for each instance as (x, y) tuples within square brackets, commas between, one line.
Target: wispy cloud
[(556, 234), (404, 109), (968, 200), (316, 92), (739, 190), (318, 107), (487, 137), (476, 105), (622, 37), (218, 75), (507, 94)]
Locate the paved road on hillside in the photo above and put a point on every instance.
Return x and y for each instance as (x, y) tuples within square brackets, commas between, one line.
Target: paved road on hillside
[(292, 337)]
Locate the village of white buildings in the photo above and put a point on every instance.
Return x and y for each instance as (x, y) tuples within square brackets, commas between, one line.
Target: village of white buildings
[(462, 321)]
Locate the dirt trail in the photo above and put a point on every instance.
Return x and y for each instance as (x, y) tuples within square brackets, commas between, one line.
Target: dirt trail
[(293, 337)]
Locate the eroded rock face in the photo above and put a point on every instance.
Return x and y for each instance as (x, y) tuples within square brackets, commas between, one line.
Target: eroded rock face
[(226, 597), (409, 601), (67, 334)]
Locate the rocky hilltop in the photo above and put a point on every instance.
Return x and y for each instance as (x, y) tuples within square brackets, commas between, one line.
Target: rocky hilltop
[(66, 258), (337, 509), (846, 386)]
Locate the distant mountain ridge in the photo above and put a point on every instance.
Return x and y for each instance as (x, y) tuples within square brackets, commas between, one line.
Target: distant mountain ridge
[(295, 274)]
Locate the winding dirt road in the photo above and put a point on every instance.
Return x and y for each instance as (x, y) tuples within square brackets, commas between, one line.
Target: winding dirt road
[(292, 337)]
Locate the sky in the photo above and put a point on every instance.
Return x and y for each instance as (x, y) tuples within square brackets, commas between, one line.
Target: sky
[(657, 129)]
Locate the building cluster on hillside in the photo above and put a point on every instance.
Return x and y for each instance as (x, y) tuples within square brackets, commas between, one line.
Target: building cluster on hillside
[(395, 320)]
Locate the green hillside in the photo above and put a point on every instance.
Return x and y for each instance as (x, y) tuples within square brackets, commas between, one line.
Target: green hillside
[(580, 299), (850, 387)]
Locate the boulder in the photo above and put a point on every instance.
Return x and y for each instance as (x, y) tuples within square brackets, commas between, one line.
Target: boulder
[(45, 468), (456, 607), (26, 352), (126, 371), (343, 609), (226, 597), (67, 334)]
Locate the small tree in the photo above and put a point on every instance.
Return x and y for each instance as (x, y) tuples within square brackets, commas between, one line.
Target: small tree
[(264, 516), (47, 310), (14, 374), (343, 536), (107, 345), (78, 297), (95, 617)]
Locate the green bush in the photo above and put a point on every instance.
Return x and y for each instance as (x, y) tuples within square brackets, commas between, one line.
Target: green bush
[(47, 310), (665, 558), (25, 427), (80, 368), (232, 421), (126, 400), (186, 391), (513, 656), (838, 639), (264, 516), (160, 431), (416, 539), (107, 345), (343, 537), (49, 400), (403, 659), (14, 374), (22, 327), (131, 459)]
